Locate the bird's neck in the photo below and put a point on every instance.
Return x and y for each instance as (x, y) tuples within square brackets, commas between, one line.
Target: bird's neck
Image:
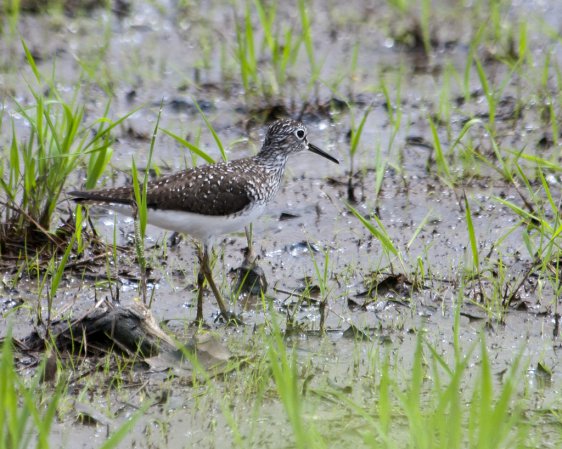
[(272, 157)]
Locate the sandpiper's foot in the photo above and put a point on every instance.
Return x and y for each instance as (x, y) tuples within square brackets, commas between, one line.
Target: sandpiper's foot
[(230, 319), (199, 323)]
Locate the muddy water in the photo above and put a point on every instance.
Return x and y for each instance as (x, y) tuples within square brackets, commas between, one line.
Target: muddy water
[(159, 53)]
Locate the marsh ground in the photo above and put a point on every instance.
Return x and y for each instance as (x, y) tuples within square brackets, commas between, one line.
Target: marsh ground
[(456, 174)]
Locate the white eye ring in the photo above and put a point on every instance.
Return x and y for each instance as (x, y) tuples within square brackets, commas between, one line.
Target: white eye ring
[(300, 134)]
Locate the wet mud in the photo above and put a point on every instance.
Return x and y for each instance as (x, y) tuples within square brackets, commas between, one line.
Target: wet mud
[(367, 299)]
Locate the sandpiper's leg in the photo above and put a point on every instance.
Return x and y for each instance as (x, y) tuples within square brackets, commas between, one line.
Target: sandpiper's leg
[(208, 273), (249, 256), (200, 281)]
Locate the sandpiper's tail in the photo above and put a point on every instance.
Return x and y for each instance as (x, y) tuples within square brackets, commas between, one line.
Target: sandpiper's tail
[(120, 195)]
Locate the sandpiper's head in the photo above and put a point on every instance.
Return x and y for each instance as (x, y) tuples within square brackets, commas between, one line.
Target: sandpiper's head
[(288, 136)]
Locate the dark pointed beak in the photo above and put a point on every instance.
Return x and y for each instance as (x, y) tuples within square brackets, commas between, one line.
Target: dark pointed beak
[(317, 150)]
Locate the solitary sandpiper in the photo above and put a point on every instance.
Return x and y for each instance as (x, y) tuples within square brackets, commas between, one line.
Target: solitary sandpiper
[(211, 200)]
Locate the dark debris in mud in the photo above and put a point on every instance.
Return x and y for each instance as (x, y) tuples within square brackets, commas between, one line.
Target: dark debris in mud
[(107, 327), (27, 242), (250, 279), (126, 331), (390, 284)]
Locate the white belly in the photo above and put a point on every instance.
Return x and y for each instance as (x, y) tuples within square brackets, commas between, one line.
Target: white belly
[(202, 227)]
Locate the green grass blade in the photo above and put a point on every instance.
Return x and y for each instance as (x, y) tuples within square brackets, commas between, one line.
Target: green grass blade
[(126, 428), (213, 132), (419, 228), (61, 266), (307, 34), (356, 133), (31, 61), (487, 92), (442, 163), (194, 149), (97, 165), (527, 216), (471, 235), (381, 235)]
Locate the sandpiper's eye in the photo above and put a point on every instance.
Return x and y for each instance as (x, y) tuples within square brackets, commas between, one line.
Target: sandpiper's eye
[(300, 134)]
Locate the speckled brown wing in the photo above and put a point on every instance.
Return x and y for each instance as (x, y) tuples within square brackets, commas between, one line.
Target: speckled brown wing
[(219, 189)]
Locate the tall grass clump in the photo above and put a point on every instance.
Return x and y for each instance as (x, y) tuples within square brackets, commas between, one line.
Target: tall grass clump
[(22, 419), (441, 402), (418, 14), (284, 368), (29, 407), (541, 222), (141, 212), (34, 170), (266, 64)]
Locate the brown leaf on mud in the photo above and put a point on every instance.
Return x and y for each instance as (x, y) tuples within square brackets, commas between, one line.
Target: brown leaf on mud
[(206, 351)]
